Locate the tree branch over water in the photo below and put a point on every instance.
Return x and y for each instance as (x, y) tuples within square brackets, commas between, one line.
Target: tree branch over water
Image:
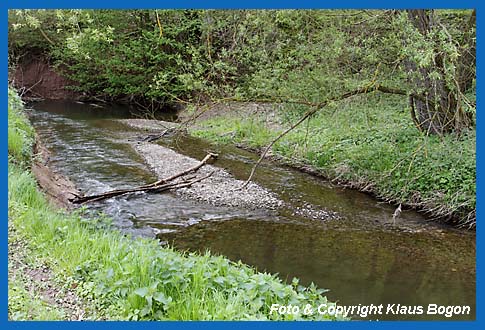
[(315, 107)]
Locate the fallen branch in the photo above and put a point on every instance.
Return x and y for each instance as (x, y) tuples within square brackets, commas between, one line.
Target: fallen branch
[(208, 157), (155, 137), (158, 186), (367, 89), (315, 108)]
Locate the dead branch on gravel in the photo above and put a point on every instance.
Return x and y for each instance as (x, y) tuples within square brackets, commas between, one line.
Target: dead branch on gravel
[(155, 187)]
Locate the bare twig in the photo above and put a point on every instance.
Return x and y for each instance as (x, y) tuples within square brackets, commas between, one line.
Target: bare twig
[(46, 37)]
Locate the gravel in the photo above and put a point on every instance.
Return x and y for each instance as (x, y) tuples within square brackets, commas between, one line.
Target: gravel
[(220, 189), (149, 125)]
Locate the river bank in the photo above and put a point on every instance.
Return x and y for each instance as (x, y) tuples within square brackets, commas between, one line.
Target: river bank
[(123, 277), (366, 143), (390, 145)]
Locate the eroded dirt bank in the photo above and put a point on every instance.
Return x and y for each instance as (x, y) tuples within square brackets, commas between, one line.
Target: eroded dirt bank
[(58, 188), (35, 77)]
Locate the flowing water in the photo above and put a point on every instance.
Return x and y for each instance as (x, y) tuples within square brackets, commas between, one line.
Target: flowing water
[(360, 255)]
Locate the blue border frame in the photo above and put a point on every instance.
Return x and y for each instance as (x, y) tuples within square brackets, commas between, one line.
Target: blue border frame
[(250, 4)]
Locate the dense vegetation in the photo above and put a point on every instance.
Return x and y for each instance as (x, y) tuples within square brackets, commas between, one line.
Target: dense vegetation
[(416, 147), (127, 278)]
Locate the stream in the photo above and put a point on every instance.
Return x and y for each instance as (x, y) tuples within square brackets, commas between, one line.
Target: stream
[(360, 255)]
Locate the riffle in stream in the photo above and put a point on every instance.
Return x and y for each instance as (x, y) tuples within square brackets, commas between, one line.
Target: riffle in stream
[(337, 238)]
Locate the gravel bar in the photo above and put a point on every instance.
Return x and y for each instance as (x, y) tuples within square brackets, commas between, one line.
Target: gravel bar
[(148, 125), (220, 189)]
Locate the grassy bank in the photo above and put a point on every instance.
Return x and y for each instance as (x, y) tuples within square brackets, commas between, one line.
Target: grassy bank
[(370, 143), (121, 277)]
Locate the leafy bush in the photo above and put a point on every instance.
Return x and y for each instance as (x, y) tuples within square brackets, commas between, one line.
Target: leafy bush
[(168, 55)]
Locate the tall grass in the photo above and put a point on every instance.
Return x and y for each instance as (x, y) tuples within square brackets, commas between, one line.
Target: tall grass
[(20, 132), (136, 279)]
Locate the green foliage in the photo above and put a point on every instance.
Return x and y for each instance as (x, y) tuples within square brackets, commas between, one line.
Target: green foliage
[(249, 131), (127, 53), (444, 42), (20, 133), (162, 56), (129, 58)]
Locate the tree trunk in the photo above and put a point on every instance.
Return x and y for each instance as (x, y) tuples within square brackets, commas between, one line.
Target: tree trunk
[(466, 68), (440, 112)]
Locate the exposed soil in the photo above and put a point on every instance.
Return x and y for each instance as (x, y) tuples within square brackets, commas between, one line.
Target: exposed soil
[(36, 78), (58, 188)]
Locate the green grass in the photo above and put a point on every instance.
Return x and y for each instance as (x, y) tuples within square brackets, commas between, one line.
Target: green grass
[(370, 141), (20, 133), (29, 298), (136, 279)]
